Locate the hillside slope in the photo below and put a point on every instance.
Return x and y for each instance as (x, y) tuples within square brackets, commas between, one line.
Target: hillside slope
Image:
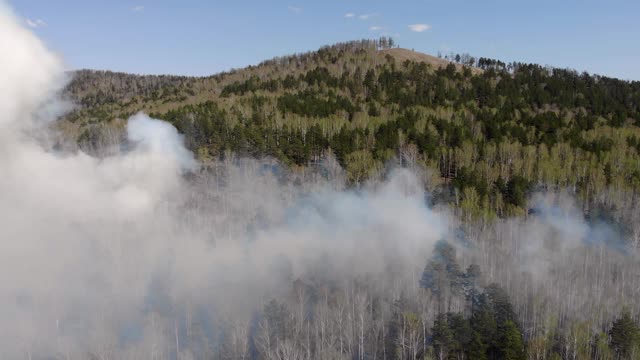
[(490, 133), (401, 55), (117, 93)]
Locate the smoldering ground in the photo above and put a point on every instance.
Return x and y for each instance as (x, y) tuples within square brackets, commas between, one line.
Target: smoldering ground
[(121, 257)]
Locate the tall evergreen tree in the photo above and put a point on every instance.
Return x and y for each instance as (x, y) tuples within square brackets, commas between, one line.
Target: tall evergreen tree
[(511, 343), (625, 338), (443, 337)]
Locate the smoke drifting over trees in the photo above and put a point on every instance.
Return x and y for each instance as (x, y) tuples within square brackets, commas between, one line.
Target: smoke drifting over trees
[(142, 254)]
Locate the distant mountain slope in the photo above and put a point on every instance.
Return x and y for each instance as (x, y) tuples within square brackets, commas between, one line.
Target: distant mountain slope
[(490, 132), (401, 55), (405, 54), (103, 94), (91, 88)]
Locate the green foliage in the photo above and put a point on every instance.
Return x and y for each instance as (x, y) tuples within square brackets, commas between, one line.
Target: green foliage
[(443, 338), (490, 333), (442, 270), (312, 104), (462, 334), (625, 338), (360, 165), (511, 343)]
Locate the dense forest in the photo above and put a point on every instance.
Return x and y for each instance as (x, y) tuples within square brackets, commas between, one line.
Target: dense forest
[(503, 146), (492, 131)]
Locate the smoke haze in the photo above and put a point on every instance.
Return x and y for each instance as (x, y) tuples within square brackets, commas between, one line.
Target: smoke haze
[(92, 246), (104, 254)]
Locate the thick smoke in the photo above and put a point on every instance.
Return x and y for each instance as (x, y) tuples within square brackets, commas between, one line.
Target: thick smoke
[(91, 247), (120, 255), (30, 73)]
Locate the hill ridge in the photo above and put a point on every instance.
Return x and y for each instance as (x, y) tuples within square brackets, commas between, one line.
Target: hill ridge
[(489, 133)]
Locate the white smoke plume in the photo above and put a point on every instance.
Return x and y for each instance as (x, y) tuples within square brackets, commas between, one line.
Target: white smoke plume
[(91, 247), (30, 73)]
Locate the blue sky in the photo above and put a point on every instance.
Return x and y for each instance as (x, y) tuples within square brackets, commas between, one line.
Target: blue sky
[(200, 37)]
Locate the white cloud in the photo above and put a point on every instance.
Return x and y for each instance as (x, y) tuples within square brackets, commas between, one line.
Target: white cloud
[(295, 9), (349, 15), (419, 27), (366, 16), (376, 28), (38, 23), (137, 8)]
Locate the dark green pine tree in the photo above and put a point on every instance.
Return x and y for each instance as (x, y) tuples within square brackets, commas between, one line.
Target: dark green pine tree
[(485, 332), (443, 340), (462, 335), (625, 337), (275, 315), (477, 348), (511, 343)]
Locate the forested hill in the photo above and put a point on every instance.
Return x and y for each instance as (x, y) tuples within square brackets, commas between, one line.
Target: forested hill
[(491, 131), (521, 275)]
